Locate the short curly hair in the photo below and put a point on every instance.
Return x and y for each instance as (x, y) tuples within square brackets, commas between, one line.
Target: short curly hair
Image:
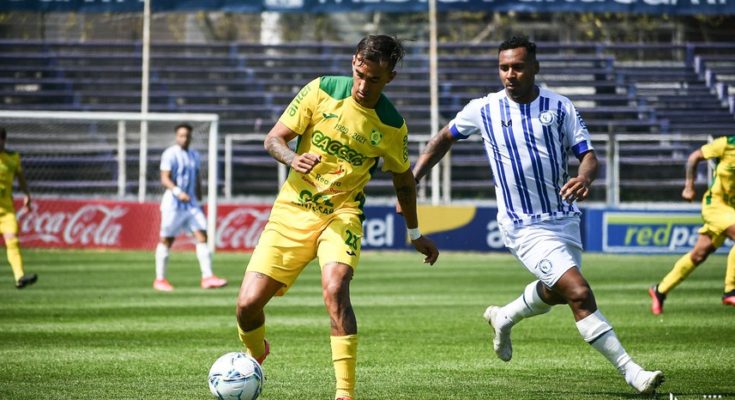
[(517, 42)]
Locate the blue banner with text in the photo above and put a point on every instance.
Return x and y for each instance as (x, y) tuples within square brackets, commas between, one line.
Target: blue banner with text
[(670, 7)]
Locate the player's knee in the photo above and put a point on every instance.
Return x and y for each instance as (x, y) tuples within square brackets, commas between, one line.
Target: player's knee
[(247, 307), (699, 255), (579, 294), (335, 292)]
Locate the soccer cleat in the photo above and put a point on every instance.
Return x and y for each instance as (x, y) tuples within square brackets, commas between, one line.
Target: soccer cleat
[(267, 351), (26, 280), (645, 382), (728, 299), (163, 285), (213, 282), (657, 300), (501, 342)]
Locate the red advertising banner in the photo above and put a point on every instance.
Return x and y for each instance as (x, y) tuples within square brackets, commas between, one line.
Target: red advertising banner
[(99, 224)]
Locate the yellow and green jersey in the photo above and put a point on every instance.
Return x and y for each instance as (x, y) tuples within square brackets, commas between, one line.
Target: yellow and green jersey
[(723, 180), (9, 167), (349, 138)]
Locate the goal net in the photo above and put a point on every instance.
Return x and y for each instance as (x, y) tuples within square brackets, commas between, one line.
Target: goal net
[(107, 155)]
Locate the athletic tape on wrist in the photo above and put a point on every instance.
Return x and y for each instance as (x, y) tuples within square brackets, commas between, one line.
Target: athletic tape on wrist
[(414, 233)]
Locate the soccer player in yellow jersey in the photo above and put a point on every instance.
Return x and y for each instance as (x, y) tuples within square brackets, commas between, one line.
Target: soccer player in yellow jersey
[(343, 125), (10, 169), (718, 213)]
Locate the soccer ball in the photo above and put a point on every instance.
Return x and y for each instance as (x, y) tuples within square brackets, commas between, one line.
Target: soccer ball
[(236, 376)]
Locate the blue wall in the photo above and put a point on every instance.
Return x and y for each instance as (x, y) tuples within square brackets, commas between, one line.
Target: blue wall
[(475, 229)]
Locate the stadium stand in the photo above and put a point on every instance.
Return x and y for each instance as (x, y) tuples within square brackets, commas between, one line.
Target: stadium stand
[(644, 89)]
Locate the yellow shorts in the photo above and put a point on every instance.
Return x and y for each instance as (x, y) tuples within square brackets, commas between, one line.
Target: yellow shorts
[(283, 251), (8, 222), (717, 217)]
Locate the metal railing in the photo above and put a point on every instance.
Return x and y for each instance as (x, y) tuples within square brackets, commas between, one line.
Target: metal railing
[(634, 168)]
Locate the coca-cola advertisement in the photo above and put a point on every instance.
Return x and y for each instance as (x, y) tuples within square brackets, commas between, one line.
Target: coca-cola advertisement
[(97, 224)]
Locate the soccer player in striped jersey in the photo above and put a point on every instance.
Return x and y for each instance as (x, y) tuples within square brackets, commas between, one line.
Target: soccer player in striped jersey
[(181, 211), (10, 169), (528, 132), (718, 214), (343, 125)]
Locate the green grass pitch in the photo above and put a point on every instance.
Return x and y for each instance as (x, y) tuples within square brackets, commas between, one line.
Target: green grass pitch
[(92, 328)]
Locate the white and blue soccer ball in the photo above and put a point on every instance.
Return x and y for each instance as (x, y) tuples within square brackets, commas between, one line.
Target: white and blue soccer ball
[(236, 376)]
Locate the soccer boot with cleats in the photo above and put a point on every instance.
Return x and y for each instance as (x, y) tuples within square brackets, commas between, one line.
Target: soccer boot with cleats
[(26, 280), (163, 285), (657, 300), (501, 341), (728, 299), (262, 358), (213, 282), (645, 382)]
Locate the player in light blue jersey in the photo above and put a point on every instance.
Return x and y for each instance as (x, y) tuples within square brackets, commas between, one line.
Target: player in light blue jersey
[(528, 132), (181, 211)]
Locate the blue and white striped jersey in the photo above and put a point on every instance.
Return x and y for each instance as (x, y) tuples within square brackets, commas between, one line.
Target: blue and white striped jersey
[(184, 166), (527, 145)]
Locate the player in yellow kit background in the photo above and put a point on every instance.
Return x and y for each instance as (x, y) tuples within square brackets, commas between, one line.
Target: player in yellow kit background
[(10, 168), (718, 213), (344, 125)]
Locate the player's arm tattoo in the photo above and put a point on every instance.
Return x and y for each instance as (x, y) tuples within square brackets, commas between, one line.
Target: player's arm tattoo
[(279, 150)]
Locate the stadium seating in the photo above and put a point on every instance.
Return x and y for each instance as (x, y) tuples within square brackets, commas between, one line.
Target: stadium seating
[(643, 89)]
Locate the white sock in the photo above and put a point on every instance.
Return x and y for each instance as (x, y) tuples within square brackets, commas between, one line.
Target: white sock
[(205, 260), (161, 260), (598, 332), (525, 306)]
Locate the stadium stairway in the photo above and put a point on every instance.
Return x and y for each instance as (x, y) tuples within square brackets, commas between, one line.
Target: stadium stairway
[(249, 85)]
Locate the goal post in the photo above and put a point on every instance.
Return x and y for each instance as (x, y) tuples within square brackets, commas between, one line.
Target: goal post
[(108, 154)]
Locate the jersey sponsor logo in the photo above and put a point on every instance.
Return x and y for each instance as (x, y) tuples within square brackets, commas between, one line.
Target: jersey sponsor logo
[(319, 203), (547, 118), (376, 137), (296, 102), (336, 148)]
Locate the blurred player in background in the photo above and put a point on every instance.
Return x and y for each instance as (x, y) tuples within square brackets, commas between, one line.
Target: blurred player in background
[(343, 125), (718, 213), (10, 168), (528, 132), (181, 211)]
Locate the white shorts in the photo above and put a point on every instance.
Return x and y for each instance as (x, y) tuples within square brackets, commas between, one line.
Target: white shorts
[(547, 248), (174, 222)]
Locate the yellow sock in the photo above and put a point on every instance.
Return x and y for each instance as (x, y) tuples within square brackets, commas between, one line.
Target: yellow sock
[(730, 274), (681, 270), (14, 258), (344, 356), (253, 340)]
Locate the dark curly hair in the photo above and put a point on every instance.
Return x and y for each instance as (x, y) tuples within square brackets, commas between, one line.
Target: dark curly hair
[(517, 42)]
